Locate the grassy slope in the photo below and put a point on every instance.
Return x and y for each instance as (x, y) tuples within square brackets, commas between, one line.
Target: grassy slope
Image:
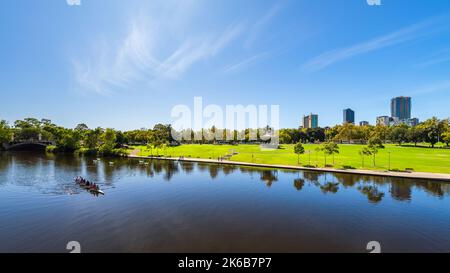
[(419, 159)]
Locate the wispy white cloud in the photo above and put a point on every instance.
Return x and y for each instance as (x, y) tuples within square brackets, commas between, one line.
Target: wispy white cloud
[(403, 35), (440, 57), (146, 52), (239, 66), (434, 87), (258, 27), (191, 52)]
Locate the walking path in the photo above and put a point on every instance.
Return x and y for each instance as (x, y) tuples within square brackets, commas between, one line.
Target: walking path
[(413, 175)]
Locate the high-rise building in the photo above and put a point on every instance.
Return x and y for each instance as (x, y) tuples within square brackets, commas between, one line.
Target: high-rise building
[(363, 123), (349, 116), (311, 121), (412, 122), (401, 108), (383, 120)]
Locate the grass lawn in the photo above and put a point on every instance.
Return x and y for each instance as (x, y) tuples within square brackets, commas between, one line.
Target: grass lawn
[(419, 159)]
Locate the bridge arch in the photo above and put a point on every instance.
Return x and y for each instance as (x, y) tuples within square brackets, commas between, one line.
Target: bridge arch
[(27, 146)]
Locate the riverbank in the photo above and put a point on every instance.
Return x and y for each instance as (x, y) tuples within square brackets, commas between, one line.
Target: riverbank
[(411, 175), (392, 157)]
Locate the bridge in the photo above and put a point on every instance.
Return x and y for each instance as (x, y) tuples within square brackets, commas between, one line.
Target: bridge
[(26, 145)]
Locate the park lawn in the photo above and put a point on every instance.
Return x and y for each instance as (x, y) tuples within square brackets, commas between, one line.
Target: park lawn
[(419, 159)]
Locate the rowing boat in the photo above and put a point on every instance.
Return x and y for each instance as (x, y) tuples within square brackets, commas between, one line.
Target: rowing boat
[(89, 188)]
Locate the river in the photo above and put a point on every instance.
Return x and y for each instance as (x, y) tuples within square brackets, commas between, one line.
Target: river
[(166, 206)]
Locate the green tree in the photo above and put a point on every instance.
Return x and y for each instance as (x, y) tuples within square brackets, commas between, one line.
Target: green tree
[(364, 152), (92, 138), (330, 148), (446, 138), (433, 128), (379, 132), (415, 134), (109, 142), (375, 144), (332, 133), (299, 149), (5, 132), (399, 134), (27, 129), (67, 140)]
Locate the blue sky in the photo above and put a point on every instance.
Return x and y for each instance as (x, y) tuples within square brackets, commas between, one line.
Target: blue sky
[(125, 64)]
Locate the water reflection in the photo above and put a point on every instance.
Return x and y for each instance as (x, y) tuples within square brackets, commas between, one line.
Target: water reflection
[(372, 193), (178, 206), (299, 183), (24, 169)]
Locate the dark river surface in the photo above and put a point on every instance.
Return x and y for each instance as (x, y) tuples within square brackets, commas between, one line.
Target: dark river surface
[(167, 206)]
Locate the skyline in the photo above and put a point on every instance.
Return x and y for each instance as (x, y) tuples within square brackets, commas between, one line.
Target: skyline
[(127, 66)]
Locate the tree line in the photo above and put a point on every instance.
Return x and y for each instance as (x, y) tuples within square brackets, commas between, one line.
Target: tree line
[(430, 131), (110, 141), (80, 139)]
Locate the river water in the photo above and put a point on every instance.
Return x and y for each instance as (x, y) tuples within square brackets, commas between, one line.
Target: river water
[(166, 206)]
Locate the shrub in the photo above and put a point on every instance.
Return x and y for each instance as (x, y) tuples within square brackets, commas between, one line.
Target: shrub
[(51, 149)]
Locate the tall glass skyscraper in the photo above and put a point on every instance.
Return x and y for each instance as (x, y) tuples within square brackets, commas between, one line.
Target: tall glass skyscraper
[(311, 121), (401, 108), (349, 116)]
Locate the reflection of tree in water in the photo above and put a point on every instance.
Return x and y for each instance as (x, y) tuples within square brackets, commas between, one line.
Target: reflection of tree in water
[(432, 187), (379, 180), (171, 168), (372, 193), (109, 170), (269, 176), (202, 167), (347, 180), (5, 163), (446, 188), (329, 187), (312, 176), (400, 190), (299, 183), (188, 167), (213, 170), (133, 165), (67, 162), (228, 169), (157, 166), (251, 171)]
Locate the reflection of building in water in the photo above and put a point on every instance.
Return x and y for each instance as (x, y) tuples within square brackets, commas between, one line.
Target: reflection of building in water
[(401, 191), (446, 188)]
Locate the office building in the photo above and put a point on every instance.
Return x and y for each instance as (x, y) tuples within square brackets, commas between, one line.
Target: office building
[(401, 108), (412, 122), (363, 123), (349, 116), (311, 121), (383, 120)]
